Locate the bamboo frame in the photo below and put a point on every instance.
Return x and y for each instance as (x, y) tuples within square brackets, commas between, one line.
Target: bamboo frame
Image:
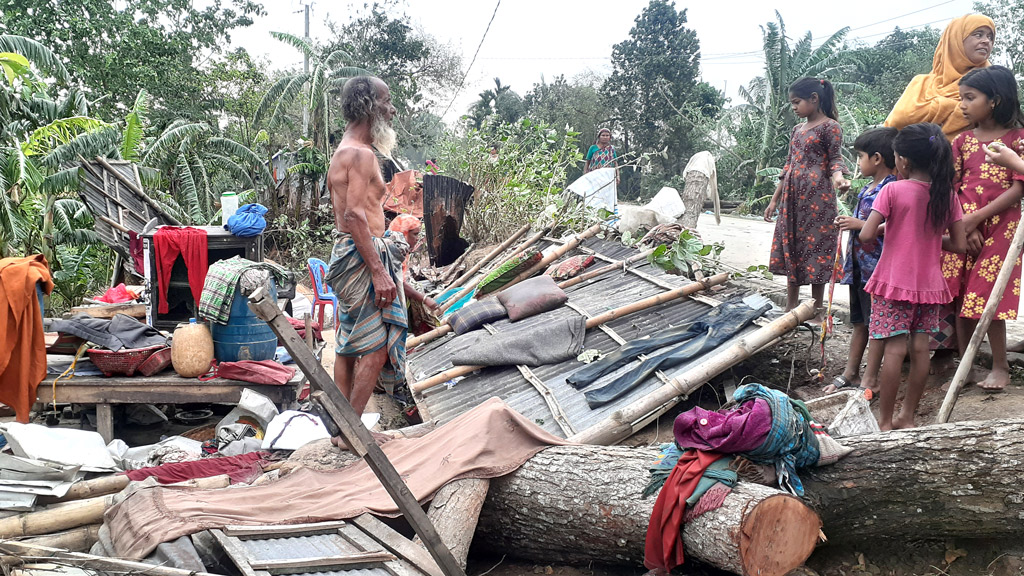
[(438, 379), (554, 255), (487, 259), (987, 315)]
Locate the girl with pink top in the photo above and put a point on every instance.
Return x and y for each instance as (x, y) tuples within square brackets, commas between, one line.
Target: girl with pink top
[(907, 286)]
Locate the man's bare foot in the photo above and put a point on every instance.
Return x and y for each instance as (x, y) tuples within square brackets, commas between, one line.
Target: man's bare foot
[(902, 423), (885, 426), (996, 380)]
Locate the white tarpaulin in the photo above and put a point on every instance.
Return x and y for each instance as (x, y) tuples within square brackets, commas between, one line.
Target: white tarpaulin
[(597, 189), (61, 445), (667, 204)]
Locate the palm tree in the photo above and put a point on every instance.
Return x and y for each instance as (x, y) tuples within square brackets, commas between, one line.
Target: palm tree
[(766, 114)]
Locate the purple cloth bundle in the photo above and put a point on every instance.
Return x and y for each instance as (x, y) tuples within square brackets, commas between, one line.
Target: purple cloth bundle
[(729, 432)]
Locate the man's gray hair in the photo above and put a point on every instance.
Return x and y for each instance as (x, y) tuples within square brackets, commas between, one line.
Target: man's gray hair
[(358, 98)]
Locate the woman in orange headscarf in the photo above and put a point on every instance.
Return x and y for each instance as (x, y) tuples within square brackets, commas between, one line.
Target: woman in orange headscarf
[(966, 43)]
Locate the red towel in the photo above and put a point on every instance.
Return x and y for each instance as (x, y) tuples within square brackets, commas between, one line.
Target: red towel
[(190, 243), (241, 468), (663, 549)]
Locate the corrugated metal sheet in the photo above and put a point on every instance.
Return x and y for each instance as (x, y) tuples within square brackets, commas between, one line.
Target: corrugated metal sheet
[(598, 295), (320, 545)]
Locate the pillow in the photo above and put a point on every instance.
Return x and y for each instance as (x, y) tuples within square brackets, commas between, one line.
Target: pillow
[(570, 267), (475, 315), (508, 270), (532, 297)]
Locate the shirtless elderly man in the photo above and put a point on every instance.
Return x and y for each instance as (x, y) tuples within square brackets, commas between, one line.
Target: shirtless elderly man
[(366, 262)]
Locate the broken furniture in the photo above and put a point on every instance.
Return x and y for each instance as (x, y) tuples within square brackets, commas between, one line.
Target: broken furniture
[(164, 388), (221, 245)]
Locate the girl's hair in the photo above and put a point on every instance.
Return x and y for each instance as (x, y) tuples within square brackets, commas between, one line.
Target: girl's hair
[(1000, 86), (805, 87), (927, 148)]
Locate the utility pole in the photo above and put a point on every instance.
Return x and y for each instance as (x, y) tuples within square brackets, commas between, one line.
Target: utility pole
[(305, 70)]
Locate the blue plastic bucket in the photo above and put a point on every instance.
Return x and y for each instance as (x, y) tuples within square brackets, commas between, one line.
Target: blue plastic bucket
[(245, 337)]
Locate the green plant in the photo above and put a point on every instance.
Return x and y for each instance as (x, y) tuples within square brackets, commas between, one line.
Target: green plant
[(688, 255)]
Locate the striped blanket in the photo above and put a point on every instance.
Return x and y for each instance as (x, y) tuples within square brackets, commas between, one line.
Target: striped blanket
[(362, 327)]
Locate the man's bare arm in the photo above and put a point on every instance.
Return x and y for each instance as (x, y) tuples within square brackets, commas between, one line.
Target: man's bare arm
[(362, 167)]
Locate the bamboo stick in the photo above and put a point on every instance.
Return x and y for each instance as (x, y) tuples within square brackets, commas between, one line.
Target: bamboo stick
[(554, 255), (64, 517), (92, 488), (474, 283), (637, 306), (490, 256), (76, 540), (620, 265), (967, 361), (619, 425), (99, 563)]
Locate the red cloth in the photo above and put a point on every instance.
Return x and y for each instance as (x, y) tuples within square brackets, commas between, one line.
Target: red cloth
[(117, 295), (190, 243), (241, 468), (137, 252), (300, 327), (22, 345), (663, 549)]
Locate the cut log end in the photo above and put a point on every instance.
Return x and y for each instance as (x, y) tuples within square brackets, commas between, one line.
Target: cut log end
[(778, 536)]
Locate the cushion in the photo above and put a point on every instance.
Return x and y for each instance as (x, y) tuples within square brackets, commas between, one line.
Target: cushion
[(475, 315), (532, 297), (570, 267), (508, 270)]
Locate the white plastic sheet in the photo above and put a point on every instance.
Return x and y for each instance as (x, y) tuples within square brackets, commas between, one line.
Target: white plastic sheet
[(61, 445)]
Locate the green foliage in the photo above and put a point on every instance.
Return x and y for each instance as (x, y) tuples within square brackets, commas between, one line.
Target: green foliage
[(290, 242), (1009, 18), (118, 48), (688, 255), (655, 96), (85, 270), (528, 174), (569, 106)]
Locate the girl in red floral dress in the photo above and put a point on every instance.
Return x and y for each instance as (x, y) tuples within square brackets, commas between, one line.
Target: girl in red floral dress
[(804, 245), (990, 196)]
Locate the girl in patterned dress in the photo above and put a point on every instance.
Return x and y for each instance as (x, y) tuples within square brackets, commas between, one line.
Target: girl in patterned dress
[(990, 196), (804, 245), (907, 287)]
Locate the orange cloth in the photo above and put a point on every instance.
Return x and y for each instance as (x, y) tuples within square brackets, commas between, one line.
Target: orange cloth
[(935, 97), (22, 347)]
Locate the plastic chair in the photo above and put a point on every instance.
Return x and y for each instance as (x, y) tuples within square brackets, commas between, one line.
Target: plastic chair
[(322, 293)]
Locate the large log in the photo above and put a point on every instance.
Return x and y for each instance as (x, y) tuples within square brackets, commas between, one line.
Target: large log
[(942, 481), (579, 504), (454, 511)]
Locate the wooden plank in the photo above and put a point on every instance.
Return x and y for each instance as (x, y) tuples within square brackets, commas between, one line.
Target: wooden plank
[(233, 548), (187, 391), (111, 310), (400, 545), (322, 563), (280, 531), (104, 421), (355, 434)]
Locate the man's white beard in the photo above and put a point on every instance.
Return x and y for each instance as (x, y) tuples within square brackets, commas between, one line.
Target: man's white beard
[(383, 136)]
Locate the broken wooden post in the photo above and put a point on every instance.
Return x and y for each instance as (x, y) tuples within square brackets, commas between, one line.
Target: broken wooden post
[(620, 425), (455, 510), (353, 432), (967, 361), (438, 379)]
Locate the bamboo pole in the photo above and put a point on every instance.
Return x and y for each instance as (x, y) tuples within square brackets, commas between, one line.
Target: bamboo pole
[(75, 540), (99, 563), (619, 425), (967, 361), (92, 488), (490, 256), (468, 289), (554, 255), (592, 322), (620, 265)]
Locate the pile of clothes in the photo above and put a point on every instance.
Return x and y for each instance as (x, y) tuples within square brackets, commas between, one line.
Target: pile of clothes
[(697, 472)]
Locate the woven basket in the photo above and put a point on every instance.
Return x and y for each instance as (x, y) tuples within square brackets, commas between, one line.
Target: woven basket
[(120, 362)]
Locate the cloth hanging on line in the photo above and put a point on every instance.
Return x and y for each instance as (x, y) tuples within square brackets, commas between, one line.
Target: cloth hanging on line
[(169, 242), (22, 345)]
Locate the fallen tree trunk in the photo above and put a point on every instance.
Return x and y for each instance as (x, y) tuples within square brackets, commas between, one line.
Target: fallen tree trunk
[(941, 481), (544, 512), (936, 482)]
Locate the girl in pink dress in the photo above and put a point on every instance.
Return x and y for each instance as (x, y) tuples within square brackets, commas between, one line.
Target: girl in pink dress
[(907, 286), (990, 197)]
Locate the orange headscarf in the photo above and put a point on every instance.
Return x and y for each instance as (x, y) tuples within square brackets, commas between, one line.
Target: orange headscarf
[(935, 97)]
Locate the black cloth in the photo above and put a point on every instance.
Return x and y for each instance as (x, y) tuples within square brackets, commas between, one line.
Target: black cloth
[(860, 301), (121, 331), (688, 341), (549, 343)]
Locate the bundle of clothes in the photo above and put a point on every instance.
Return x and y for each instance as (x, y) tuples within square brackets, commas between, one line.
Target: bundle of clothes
[(697, 472)]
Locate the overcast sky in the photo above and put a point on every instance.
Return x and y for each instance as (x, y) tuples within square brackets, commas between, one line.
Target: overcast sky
[(529, 39)]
